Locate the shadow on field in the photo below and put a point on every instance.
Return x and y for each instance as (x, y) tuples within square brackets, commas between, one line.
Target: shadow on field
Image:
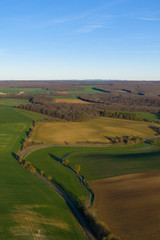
[(126, 157), (22, 141), (155, 129), (139, 155), (15, 155), (53, 157)]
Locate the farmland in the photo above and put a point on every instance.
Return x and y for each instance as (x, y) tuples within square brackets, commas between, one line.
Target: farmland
[(130, 204), (112, 195), (102, 162), (12, 101), (93, 131), (68, 100), (88, 90), (112, 166), (24, 90), (29, 208), (47, 160)]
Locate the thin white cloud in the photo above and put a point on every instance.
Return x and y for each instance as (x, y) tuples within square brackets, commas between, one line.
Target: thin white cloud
[(88, 28), (149, 19)]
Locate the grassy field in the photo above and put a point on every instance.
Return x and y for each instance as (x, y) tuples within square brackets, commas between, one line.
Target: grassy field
[(12, 101), (95, 130), (34, 116), (25, 90), (103, 162), (130, 205), (89, 89), (45, 159), (29, 209), (117, 199)]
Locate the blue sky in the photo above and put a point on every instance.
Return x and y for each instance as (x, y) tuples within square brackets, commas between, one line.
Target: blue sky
[(80, 39)]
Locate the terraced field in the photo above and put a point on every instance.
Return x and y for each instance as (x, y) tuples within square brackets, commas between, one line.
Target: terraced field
[(29, 209)]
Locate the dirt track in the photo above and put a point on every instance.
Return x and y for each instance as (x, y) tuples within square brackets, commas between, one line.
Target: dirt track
[(130, 205)]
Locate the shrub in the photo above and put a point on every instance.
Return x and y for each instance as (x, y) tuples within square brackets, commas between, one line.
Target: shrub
[(50, 178), (65, 162), (77, 168)]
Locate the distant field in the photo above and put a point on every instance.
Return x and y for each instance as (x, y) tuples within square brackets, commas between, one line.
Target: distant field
[(144, 115), (12, 101), (25, 90), (62, 92), (64, 97), (67, 100), (93, 131), (130, 205), (89, 89), (29, 209)]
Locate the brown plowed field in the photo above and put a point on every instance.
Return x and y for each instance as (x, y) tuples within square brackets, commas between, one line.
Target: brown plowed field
[(60, 100), (63, 92), (130, 205)]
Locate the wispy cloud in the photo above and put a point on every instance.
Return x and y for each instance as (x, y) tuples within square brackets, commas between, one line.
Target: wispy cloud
[(149, 19), (89, 28)]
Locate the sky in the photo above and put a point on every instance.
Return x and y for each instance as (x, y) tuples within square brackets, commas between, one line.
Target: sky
[(79, 39)]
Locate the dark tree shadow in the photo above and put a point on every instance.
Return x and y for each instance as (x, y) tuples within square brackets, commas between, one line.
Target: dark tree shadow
[(22, 141), (54, 157), (15, 156), (155, 129)]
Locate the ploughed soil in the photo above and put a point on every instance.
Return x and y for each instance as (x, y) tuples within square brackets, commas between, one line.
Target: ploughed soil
[(130, 205), (65, 100), (63, 92)]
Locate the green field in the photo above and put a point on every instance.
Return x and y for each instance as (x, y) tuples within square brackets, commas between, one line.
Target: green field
[(35, 116), (88, 90), (45, 159), (25, 90), (102, 162), (12, 102), (29, 209), (114, 162)]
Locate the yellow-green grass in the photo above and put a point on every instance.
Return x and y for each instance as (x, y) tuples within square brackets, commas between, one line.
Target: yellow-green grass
[(12, 101), (29, 209), (93, 130)]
